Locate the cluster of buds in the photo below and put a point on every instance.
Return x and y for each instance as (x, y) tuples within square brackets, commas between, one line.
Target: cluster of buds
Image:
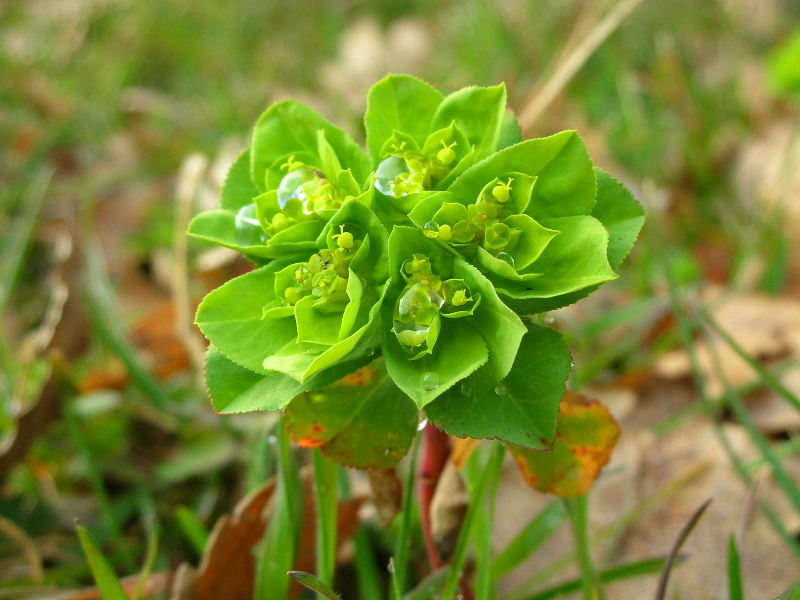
[(425, 298), (482, 221), (406, 171), (325, 274)]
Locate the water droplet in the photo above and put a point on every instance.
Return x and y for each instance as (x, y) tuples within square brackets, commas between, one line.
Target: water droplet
[(465, 388), (410, 335), (272, 440), (394, 177), (431, 229), (291, 186), (370, 351), (387, 172), (391, 566), (548, 320), (422, 424), (501, 390), (248, 228), (429, 381), (506, 258)]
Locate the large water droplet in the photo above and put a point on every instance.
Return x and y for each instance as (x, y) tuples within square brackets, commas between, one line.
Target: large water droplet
[(506, 258), (291, 186), (429, 381), (387, 172), (410, 335), (500, 390), (431, 229), (248, 228)]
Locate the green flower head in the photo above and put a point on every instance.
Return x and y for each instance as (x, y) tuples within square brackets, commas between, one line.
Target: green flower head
[(299, 170), (306, 313)]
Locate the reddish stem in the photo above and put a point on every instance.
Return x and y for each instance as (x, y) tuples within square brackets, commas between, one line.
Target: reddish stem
[(435, 452)]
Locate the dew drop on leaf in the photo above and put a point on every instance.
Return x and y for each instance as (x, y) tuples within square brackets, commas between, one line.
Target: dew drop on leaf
[(506, 258), (248, 228), (429, 381), (431, 229), (387, 172), (291, 186), (501, 390)]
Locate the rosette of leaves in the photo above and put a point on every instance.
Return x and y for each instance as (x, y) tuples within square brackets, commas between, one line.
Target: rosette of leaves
[(279, 194), (538, 220), (420, 139), (300, 322)]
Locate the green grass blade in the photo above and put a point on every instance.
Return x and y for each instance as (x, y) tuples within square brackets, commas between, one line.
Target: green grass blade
[(277, 551), (192, 528), (315, 584), (150, 555), (792, 592), (326, 484), (578, 510), (639, 568), (430, 586), (18, 235), (101, 301), (485, 578), (735, 586), (104, 576), (530, 539), (370, 586), (492, 470), (399, 563), (661, 591)]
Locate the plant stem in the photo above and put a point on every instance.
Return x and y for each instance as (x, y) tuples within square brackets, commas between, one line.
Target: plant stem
[(326, 482), (578, 510), (435, 453)]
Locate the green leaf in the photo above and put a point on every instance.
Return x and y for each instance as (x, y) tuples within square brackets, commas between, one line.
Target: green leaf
[(231, 318), (574, 259), (510, 132), (501, 328), (291, 127), (620, 214), (521, 409), (565, 184), (460, 352), (315, 584), (478, 112), (104, 576), (238, 189), (735, 584), (403, 103), (364, 421), (587, 434), (234, 389), (218, 227)]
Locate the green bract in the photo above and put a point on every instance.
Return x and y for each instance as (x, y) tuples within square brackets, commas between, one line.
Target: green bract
[(405, 269)]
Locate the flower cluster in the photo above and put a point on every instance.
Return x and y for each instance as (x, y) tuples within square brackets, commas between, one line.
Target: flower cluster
[(425, 250)]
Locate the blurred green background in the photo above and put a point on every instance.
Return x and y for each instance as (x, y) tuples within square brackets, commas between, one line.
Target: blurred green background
[(110, 110)]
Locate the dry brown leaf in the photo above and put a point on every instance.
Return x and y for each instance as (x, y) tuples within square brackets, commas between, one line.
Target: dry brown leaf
[(765, 327), (448, 509), (227, 569), (387, 493)]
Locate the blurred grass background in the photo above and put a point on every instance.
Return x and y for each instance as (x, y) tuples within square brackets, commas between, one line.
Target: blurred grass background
[(693, 104)]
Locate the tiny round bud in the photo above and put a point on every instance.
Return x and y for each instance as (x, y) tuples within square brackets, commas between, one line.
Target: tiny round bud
[(446, 156), (345, 240), (500, 192), (292, 295), (445, 233), (280, 222)]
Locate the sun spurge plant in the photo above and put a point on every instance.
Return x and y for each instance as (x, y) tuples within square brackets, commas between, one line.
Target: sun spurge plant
[(404, 278)]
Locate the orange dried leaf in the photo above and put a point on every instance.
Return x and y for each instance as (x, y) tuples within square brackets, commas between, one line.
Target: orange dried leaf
[(587, 434)]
